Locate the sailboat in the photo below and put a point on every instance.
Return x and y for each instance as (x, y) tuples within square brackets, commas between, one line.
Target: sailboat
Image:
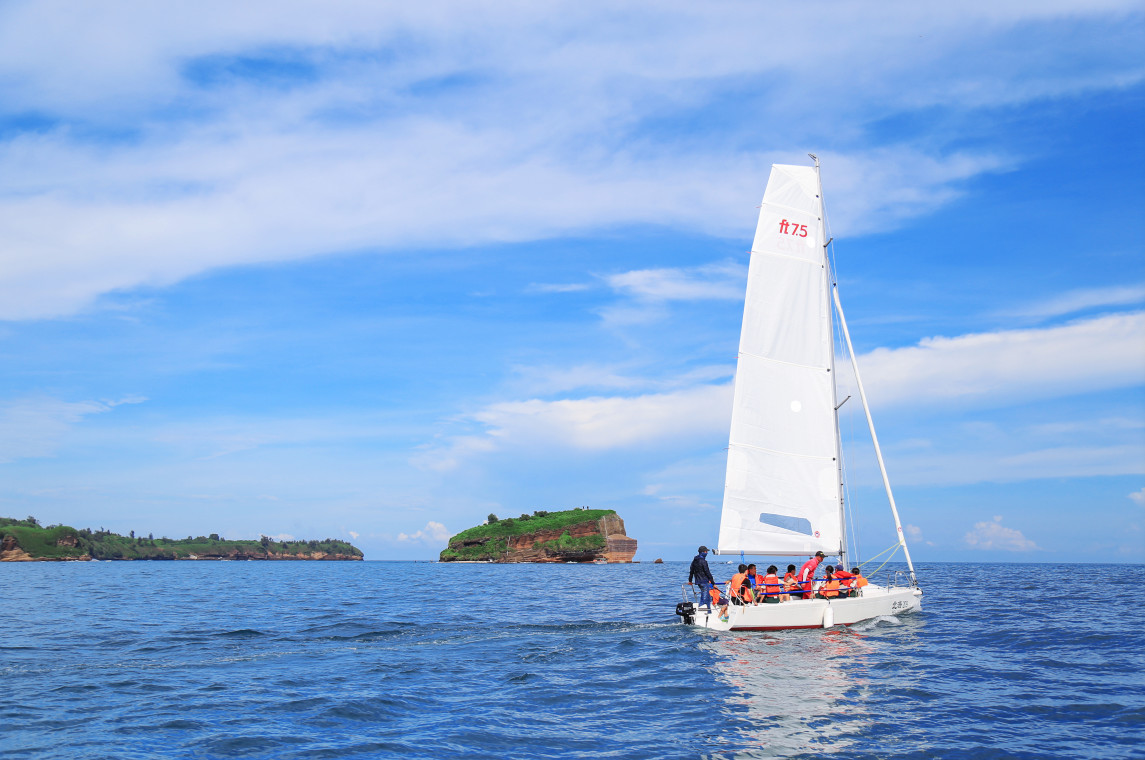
[(784, 491)]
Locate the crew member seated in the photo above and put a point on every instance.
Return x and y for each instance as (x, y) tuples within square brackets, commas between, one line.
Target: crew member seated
[(829, 589), (771, 587), (791, 583)]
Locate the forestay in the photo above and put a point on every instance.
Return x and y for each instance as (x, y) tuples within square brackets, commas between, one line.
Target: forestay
[(782, 494)]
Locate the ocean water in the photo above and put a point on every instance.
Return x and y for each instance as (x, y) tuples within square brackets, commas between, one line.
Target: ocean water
[(420, 660)]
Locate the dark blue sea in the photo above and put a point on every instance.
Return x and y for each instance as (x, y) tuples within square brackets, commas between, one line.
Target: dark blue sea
[(419, 660)]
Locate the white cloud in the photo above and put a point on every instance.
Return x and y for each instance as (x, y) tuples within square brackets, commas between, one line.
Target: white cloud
[(37, 427), (572, 287), (282, 537), (433, 532), (994, 535), (353, 534), (726, 281), (594, 424), (1138, 497), (1081, 300), (445, 125), (987, 369)]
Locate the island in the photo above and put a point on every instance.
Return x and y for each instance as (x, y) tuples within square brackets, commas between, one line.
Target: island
[(28, 541), (571, 535)]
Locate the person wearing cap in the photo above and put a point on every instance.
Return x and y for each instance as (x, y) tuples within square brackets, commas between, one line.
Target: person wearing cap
[(807, 572), (701, 574)]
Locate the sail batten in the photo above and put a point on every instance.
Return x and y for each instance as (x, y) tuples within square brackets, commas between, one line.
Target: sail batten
[(783, 459)]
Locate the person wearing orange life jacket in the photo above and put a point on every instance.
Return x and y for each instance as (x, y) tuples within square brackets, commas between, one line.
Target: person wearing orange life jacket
[(736, 589), (846, 581), (771, 587), (829, 589), (790, 583), (807, 573), (860, 581)]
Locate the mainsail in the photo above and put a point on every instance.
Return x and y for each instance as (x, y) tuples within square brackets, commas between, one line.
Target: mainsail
[(782, 494)]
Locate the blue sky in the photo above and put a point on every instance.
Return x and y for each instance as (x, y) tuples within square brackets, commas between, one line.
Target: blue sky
[(373, 272)]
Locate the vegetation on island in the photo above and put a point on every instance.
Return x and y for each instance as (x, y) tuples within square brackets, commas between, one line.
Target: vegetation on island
[(65, 542), (491, 540)]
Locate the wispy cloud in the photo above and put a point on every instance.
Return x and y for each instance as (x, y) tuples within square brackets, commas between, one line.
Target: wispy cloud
[(572, 287), (1138, 497), (725, 281), (37, 427), (170, 143), (994, 535), (1082, 300)]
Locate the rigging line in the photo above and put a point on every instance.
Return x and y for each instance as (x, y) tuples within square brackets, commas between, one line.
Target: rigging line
[(892, 547), (888, 559)]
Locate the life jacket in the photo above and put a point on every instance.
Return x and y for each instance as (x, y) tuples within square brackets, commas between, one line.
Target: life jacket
[(830, 589), (807, 572), (845, 578), (770, 584), (737, 581), (789, 583), (715, 594), (860, 581)]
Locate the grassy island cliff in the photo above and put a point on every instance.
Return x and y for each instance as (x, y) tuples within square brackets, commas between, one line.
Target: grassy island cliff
[(27, 541), (571, 535)]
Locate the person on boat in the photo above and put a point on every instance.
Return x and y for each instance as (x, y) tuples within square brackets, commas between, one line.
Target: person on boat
[(790, 583), (701, 574), (807, 573), (740, 589), (859, 581), (754, 579), (845, 580), (770, 586), (829, 589)]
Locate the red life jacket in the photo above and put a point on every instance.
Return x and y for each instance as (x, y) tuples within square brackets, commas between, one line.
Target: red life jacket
[(845, 578), (770, 585)]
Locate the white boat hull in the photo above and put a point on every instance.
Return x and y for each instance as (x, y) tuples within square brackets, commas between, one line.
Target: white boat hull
[(813, 613)]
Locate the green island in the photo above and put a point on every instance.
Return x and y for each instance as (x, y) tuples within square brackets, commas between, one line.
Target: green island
[(26, 540), (571, 535)]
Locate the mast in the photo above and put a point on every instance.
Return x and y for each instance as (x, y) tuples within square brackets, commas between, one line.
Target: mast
[(874, 438), (827, 280)]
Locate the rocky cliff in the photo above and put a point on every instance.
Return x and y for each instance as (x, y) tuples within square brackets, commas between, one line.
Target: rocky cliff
[(575, 535)]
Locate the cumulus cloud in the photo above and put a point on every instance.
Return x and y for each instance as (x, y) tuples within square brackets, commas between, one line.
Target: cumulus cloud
[(985, 369), (269, 132), (994, 535), (591, 425), (433, 532)]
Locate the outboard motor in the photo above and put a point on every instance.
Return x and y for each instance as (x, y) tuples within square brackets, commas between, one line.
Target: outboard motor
[(686, 610)]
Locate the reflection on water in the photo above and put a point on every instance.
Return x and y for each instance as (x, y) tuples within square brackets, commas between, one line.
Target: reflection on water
[(795, 692)]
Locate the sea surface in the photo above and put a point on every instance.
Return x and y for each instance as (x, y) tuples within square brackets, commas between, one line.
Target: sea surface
[(421, 660)]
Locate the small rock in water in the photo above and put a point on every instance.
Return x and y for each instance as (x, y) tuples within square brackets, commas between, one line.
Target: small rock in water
[(657, 561)]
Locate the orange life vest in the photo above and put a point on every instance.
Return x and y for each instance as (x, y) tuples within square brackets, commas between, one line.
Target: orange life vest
[(860, 581), (845, 578), (789, 583), (737, 581), (770, 584), (830, 589)]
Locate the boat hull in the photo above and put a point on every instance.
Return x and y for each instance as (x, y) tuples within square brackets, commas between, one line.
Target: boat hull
[(875, 601)]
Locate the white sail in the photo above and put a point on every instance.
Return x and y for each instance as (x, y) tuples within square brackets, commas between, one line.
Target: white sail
[(782, 494)]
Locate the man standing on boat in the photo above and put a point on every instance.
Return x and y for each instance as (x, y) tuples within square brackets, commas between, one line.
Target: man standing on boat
[(702, 574), (807, 572)]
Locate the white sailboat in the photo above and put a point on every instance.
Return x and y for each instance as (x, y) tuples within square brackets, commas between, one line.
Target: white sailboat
[(784, 492)]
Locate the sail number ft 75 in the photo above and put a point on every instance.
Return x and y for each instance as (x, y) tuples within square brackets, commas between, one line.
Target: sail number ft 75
[(790, 228)]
